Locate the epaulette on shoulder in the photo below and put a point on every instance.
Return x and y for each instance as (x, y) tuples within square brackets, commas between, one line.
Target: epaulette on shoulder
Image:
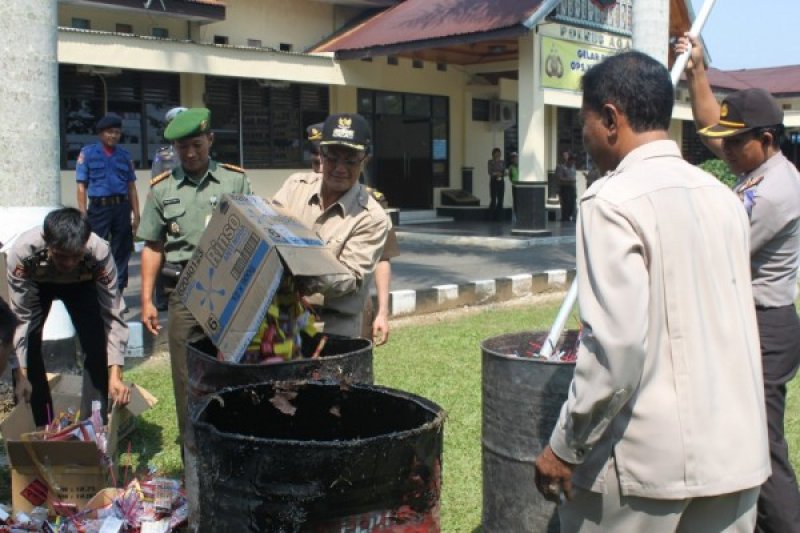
[(161, 177), (240, 170), (378, 195)]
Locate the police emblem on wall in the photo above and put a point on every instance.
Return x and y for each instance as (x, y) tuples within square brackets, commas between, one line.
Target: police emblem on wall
[(553, 66), (604, 4)]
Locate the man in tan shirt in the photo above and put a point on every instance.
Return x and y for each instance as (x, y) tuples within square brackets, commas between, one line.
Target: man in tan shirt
[(664, 428), (347, 218)]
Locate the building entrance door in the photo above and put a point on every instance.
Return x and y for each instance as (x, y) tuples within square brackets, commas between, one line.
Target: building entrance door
[(403, 162)]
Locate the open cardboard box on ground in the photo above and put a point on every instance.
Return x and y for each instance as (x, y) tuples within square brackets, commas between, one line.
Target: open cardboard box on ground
[(64, 471), (239, 263)]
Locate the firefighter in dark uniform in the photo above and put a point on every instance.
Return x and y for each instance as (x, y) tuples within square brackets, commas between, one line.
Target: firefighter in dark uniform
[(64, 260), (175, 215), (105, 174)]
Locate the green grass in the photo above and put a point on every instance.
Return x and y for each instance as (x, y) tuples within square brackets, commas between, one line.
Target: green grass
[(439, 360)]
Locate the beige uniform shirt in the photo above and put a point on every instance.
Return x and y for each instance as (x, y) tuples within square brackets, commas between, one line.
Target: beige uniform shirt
[(28, 266), (354, 229), (668, 378), (771, 197)]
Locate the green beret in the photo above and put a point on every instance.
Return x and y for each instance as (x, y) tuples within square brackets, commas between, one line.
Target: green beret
[(192, 122)]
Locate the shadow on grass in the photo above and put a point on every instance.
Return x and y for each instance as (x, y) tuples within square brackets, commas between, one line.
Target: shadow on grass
[(145, 449)]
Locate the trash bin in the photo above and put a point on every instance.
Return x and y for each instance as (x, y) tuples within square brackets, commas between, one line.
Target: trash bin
[(318, 456), (344, 359), (529, 207), (522, 399)]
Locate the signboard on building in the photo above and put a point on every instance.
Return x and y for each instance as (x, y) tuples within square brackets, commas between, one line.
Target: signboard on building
[(565, 62)]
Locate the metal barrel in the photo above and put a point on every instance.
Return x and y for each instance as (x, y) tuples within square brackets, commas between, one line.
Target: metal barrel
[(342, 359), (522, 398), (319, 457)]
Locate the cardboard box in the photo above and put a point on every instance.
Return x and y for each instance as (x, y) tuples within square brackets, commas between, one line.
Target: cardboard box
[(70, 471), (238, 266)]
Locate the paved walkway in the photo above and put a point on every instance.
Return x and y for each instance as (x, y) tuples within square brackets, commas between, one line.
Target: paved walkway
[(445, 265)]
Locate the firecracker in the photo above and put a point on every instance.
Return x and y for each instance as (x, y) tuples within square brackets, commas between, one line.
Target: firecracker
[(287, 326)]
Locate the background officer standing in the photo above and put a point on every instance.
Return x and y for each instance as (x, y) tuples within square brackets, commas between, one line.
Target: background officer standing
[(175, 215), (64, 260), (106, 174), (164, 161)]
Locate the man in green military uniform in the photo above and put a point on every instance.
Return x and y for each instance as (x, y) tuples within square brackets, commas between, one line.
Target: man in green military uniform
[(177, 211)]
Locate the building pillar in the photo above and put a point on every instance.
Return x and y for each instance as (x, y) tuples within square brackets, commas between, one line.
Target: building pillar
[(29, 164), (531, 121), (651, 28), (30, 184)]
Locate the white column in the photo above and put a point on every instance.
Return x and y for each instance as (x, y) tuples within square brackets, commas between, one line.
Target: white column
[(533, 152), (29, 131), (29, 163), (651, 28)]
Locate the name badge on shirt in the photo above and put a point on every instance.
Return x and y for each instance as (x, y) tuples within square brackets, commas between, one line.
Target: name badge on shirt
[(172, 201)]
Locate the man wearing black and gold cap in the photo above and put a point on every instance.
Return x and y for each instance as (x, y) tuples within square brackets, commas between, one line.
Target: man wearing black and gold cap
[(175, 214), (745, 131), (347, 218)]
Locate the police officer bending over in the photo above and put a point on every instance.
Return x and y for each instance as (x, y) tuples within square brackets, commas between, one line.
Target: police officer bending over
[(175, 214), (64, 260)]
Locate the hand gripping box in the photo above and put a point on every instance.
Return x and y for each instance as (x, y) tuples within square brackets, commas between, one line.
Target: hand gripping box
[(237, 267), (63, 472)]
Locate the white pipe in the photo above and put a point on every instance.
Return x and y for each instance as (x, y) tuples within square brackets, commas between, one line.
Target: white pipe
[(572, 294), (555, 332), (697, 27)]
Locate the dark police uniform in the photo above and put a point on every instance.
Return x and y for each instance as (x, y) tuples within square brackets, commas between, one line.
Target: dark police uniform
[(89, 293), (176, 213), (109, 208)]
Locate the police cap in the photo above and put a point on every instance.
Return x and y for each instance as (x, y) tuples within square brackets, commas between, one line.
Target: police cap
[(108, 121)]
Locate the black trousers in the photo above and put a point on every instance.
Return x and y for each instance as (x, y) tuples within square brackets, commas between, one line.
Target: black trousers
[(83, 307), (497, 192), (566, 197), (113, 223), (779, 501)]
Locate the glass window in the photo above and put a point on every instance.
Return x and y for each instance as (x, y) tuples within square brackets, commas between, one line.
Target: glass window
[(418, 105), (389, 104), (365, 98), (480, 110), (274, 119), (139, 98), (440, 106)]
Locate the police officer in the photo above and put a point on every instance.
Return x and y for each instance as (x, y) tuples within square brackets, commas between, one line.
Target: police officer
[(165, 160), (105, 174), (64, 260), (347, 218), (8, 325), (175, 214), (745, 131)]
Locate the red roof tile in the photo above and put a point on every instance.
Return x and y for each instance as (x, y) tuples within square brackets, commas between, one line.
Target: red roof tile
[(426, 20), (777, 80)]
